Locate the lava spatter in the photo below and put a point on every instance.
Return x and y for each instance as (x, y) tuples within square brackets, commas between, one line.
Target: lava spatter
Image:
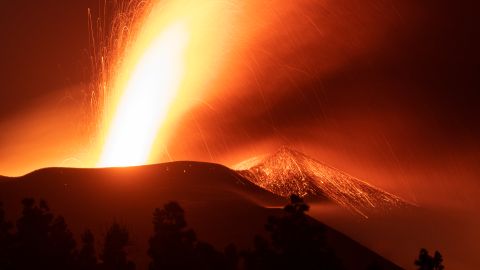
[(290, 172)]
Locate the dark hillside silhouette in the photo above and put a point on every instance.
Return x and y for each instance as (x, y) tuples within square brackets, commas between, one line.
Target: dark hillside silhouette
[(295, 241), (130, 194), (221, 207)]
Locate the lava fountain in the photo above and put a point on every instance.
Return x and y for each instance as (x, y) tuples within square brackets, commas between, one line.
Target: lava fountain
[(170, 57), (147, 99)]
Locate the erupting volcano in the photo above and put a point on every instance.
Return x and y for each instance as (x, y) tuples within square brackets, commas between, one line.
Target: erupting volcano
[(290, 172), (110, 109)]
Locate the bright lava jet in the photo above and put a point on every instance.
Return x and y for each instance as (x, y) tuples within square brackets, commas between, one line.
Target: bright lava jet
[(170, 53), (147, 98)]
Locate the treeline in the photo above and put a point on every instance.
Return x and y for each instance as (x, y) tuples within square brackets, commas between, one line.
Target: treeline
[(42, 240)]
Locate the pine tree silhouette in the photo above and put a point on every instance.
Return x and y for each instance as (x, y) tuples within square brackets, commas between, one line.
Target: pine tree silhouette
[(61, 245), (32, 235), (427, 262), (261, 257), (438, 261), (42, 241), (231, 257), (174, 246), (87, 259), (6, 241), (297, 242), (208, 258), (114, 255)]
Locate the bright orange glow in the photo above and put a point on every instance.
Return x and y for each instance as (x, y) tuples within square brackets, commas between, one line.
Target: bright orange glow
[(147, 99), (161, 66)]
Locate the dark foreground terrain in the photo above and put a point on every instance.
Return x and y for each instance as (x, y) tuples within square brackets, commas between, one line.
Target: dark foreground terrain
[(220, 205)]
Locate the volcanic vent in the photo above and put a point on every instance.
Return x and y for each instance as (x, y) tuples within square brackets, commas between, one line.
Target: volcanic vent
[(288, 171)]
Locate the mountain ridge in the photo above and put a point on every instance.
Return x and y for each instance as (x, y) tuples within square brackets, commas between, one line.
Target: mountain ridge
[(288, 171)]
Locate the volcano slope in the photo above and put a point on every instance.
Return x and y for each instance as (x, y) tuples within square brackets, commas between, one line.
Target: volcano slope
[(288, 171), (220, 205)]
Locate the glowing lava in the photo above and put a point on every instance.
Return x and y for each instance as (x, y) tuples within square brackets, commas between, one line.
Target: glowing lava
[(147, 99), (290, 172), (155, 70)]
